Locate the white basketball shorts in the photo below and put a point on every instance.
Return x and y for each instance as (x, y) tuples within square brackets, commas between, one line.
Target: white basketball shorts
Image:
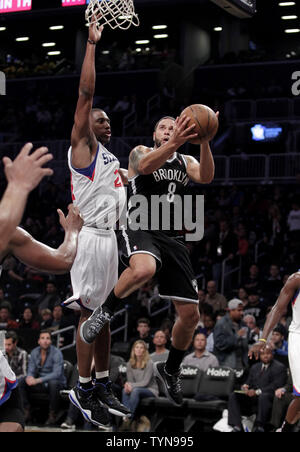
[(294, 360), (95, 269)]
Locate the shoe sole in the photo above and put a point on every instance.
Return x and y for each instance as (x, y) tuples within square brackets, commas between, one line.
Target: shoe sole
[(114, 411), (117, 413), (158, 375), (82, 336), (86, 413)]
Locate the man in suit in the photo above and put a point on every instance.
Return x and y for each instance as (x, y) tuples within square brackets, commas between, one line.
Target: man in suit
[(258, 392)]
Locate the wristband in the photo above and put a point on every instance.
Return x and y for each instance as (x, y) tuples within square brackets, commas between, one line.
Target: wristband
[(92, 42), (262, 340)]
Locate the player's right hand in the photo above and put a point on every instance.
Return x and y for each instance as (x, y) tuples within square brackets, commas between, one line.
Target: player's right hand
[(27, 171), (95, 32), (182, 133), (73, 221)]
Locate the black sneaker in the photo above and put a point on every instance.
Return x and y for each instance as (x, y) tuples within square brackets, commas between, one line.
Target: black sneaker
[(89, 406), (171, 383), (90, 329), (106, 396)]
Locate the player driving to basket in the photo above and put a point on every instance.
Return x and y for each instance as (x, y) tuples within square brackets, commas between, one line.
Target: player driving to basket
[(150, 172)]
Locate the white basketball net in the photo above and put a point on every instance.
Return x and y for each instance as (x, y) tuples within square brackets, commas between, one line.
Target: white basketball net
[(115, 13)]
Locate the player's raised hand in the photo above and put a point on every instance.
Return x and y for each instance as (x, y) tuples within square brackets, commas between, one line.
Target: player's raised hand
[(73, 221), (95, 32), (26, 171), (182, 132)]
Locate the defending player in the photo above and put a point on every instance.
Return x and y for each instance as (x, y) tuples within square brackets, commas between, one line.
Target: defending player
[(98, 191), (161, 171), (290, 293)]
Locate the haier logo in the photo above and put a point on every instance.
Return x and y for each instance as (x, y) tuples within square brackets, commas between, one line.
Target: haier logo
[(122, 369), (189, 371), (218, 373)]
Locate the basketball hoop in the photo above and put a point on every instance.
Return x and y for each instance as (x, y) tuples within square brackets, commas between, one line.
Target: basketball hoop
[(115, 13)]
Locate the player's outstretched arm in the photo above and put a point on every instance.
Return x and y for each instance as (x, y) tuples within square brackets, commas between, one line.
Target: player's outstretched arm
[(42, 257), (23, 175), (278, 310), (144, 161), (203, 172), (82, 136)]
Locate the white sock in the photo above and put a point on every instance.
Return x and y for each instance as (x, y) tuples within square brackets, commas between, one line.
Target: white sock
[(100, 375), (84, 379)]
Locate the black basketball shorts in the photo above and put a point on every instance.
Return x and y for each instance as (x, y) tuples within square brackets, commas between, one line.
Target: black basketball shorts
[(174, 269)]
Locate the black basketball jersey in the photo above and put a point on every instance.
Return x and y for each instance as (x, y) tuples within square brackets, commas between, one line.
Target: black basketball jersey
[(156, 200)]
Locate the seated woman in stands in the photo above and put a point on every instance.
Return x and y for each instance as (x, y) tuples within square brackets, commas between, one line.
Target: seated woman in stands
[(140, 383)]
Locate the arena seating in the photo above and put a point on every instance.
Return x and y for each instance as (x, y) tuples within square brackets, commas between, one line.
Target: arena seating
[(205, 397)]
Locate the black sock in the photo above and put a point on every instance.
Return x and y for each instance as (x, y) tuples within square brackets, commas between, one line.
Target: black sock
[(174, 360), (287, 427), (111, 303)]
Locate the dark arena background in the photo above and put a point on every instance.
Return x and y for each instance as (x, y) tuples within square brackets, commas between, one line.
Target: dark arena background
[(239, 58)]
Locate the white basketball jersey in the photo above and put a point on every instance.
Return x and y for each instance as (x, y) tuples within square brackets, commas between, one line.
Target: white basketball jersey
[(8, 379), (295, 324), (98, 190)]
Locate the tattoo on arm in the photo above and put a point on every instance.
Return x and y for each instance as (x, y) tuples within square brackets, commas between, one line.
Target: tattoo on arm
[(135, 157), (192, 166), (191, 159)]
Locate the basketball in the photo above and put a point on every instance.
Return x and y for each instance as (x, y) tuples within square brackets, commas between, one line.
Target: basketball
[(206, 121)]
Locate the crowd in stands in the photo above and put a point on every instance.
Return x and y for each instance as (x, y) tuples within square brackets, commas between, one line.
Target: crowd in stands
[(115, 58), (112, 60), (45, 116), (48, 117)]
